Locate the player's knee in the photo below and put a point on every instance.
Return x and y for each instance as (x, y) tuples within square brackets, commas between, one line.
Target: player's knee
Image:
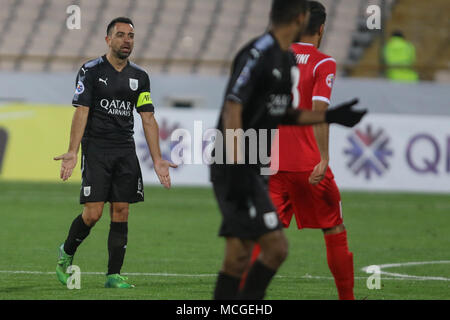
[(92, 215), (92, 219), (120, 213), (236, 265), (276, 253), (334, 230), (281, 251)]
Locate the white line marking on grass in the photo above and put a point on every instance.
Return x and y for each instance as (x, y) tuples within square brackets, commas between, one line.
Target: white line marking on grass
[(200, 275), (104, 273), (407, 276), (203, 275)]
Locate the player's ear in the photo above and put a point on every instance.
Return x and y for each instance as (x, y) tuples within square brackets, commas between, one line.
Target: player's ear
[(321, 29)]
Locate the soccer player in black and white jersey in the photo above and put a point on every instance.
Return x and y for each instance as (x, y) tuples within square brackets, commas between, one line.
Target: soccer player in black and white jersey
[(258, 96), (108, 89)]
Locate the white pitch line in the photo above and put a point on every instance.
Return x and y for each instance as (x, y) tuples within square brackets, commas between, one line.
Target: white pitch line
[(407, 276), (138, 274), (104, 273), (150, 274)]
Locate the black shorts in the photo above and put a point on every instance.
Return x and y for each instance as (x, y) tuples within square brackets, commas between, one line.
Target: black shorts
[(249, 219), (110, 176)]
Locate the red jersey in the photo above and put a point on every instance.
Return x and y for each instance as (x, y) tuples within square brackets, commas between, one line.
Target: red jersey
[(313, 80)]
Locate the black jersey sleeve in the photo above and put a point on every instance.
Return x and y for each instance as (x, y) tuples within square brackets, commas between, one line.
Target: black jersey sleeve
[(84, 88), (247, 71), (144, 102)]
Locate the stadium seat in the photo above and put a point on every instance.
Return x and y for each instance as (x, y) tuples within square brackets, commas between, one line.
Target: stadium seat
[(203, 34)]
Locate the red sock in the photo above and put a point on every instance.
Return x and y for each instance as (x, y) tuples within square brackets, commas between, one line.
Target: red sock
[(340, 262), (255, 255)]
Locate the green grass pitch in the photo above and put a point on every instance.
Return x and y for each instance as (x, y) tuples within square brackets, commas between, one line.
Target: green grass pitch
[(174, 252)]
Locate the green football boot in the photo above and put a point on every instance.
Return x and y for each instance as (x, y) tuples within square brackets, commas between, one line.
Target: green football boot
[(64, 261), (117, 281)]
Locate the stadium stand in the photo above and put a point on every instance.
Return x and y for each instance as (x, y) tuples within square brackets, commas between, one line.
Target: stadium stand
[(177, 36), (430, 37)]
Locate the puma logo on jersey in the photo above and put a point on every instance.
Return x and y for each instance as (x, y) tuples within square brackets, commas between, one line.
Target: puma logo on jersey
[(103, 80), (302, 58)]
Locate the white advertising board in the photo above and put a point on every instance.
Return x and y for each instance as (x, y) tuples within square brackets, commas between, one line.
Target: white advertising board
[(385, 152), (393, 153)]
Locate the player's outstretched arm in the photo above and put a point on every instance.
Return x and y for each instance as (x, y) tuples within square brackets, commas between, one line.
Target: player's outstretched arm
[(69, 159), (151, 131), (342, 114)]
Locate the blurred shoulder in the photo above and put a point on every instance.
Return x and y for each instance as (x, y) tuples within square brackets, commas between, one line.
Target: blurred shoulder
[(139, 70), (93, 63)]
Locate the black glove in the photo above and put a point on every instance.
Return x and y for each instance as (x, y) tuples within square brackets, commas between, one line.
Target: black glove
[(344, 115), (238, 182)]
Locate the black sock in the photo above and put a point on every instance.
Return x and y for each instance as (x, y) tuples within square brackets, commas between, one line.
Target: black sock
[(77, 233), (226, 287), (258, 280), (117, 244)]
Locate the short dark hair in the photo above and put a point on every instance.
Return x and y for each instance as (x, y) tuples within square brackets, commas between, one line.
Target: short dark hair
[(317, 17), (286, 11), (397, 33), (118, 20)]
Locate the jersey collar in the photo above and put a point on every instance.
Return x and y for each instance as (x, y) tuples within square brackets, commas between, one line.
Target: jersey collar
[(274, 39), (112, 67)]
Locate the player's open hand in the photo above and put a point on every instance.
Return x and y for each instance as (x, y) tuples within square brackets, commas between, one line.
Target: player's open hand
[(344, 114), (69, 161), (162, 171), (318, 173)]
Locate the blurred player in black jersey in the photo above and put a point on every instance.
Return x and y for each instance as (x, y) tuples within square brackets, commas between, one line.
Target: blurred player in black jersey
[(108, 89), (258, 96)]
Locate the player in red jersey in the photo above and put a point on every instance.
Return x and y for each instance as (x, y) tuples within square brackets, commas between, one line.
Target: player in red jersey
[(304, 185)]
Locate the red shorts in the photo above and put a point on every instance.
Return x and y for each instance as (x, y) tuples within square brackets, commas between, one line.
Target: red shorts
[(317, 207)]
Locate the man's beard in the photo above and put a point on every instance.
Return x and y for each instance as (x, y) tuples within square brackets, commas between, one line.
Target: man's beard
[(122, 55)]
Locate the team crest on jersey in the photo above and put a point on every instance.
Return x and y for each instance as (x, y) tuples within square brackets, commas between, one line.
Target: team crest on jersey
[(330, 80), (80, 87), (134, 84), (270, 220)]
